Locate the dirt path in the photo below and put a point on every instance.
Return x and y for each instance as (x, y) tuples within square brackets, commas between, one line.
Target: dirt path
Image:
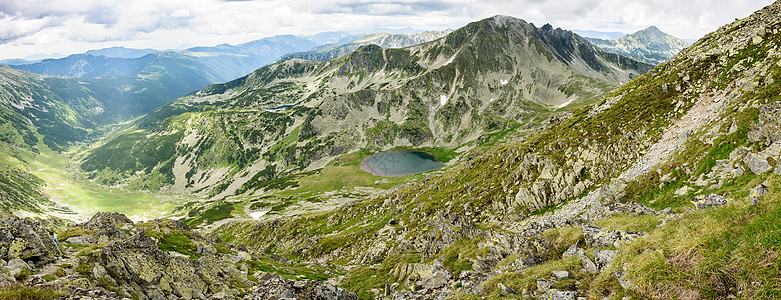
[(706, 109)]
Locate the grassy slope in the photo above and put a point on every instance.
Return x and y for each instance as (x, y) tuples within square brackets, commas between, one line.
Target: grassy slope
[(642, 108)]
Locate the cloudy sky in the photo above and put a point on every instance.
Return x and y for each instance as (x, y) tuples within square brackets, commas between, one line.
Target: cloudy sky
[(71, 26)]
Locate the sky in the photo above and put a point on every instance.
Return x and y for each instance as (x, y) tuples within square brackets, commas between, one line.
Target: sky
[(30, 27)]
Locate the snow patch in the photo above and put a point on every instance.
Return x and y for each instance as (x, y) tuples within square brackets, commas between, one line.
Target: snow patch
[(566, 103), (449, 60), (442, 100), (492, 100), (503, 82), (258, 214)]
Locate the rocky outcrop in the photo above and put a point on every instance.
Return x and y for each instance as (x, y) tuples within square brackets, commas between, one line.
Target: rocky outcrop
[(27, 241), (273, 287)]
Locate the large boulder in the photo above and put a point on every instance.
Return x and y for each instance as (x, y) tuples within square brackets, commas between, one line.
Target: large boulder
[(26, 240), (137, 264), (102, 220)]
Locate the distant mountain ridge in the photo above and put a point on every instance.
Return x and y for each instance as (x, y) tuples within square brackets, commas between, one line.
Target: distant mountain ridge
[(650, 45), (384, 40), (121, 52)]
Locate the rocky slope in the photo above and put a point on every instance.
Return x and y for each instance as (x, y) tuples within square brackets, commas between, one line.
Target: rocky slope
[(650, 45), (666, 189), (111, 257), (298, 115), (384, 40)]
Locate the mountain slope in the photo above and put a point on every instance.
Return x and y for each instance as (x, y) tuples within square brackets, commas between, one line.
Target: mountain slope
[(488, 76), (650, 45), (384, 40), (624, 196)]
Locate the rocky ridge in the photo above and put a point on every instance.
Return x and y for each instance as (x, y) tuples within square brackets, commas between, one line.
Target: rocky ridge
[(650, 45)]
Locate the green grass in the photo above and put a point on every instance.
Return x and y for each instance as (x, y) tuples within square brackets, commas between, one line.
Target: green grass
[(712, 253), (527, 279), (24, 292), (364, 278)]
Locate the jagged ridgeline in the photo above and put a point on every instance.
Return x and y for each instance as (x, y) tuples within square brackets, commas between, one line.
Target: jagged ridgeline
[(656, 158), (295, 115)]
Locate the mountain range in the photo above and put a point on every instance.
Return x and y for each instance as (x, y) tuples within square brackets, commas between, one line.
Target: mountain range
[(446, 93), (569, 171), (649, 45)]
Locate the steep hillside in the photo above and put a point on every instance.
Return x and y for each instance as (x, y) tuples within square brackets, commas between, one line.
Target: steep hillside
[(384, 40), (650, 45), (457, 92), (668, 188)]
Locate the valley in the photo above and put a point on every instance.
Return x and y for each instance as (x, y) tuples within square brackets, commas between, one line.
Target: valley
[(495, 160)]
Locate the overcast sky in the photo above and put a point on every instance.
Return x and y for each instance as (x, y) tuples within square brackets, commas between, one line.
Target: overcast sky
[(71, 26)]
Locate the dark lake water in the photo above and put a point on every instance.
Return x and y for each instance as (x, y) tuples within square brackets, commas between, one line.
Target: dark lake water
[(399, 163)]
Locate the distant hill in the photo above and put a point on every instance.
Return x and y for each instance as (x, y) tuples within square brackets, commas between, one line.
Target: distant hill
[(650, 45), (384, 40), (121, 52)]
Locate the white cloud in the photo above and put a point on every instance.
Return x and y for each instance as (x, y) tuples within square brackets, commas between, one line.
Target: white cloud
[(73, 25)]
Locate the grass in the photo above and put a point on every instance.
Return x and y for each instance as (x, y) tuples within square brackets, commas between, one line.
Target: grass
[(364, 278), (458, 256), (714, 253), (527, 279), (24, 292)]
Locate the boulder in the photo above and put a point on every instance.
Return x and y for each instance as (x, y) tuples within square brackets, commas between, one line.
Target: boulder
[(757, 163), (604, 258), (27, 240), (438, 280), (506, 290), (709, 201), (103, 220), (16, 266), (574, 251), (560, 274), (271, 287), (560, 295)]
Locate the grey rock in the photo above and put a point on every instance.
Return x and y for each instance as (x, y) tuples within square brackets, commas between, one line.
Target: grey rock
[(757, 193), (625, 282), (560, 274), (436, 281), (560, 295), (709, 201), (102, 220), (543, 285), (596, 237), (17, 266), (757, 163), (277, 287), (506, 290), (82, 239), (604, 258)]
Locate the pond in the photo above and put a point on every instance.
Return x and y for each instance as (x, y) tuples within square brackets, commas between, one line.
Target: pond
[(399, 163), (278, 108)]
